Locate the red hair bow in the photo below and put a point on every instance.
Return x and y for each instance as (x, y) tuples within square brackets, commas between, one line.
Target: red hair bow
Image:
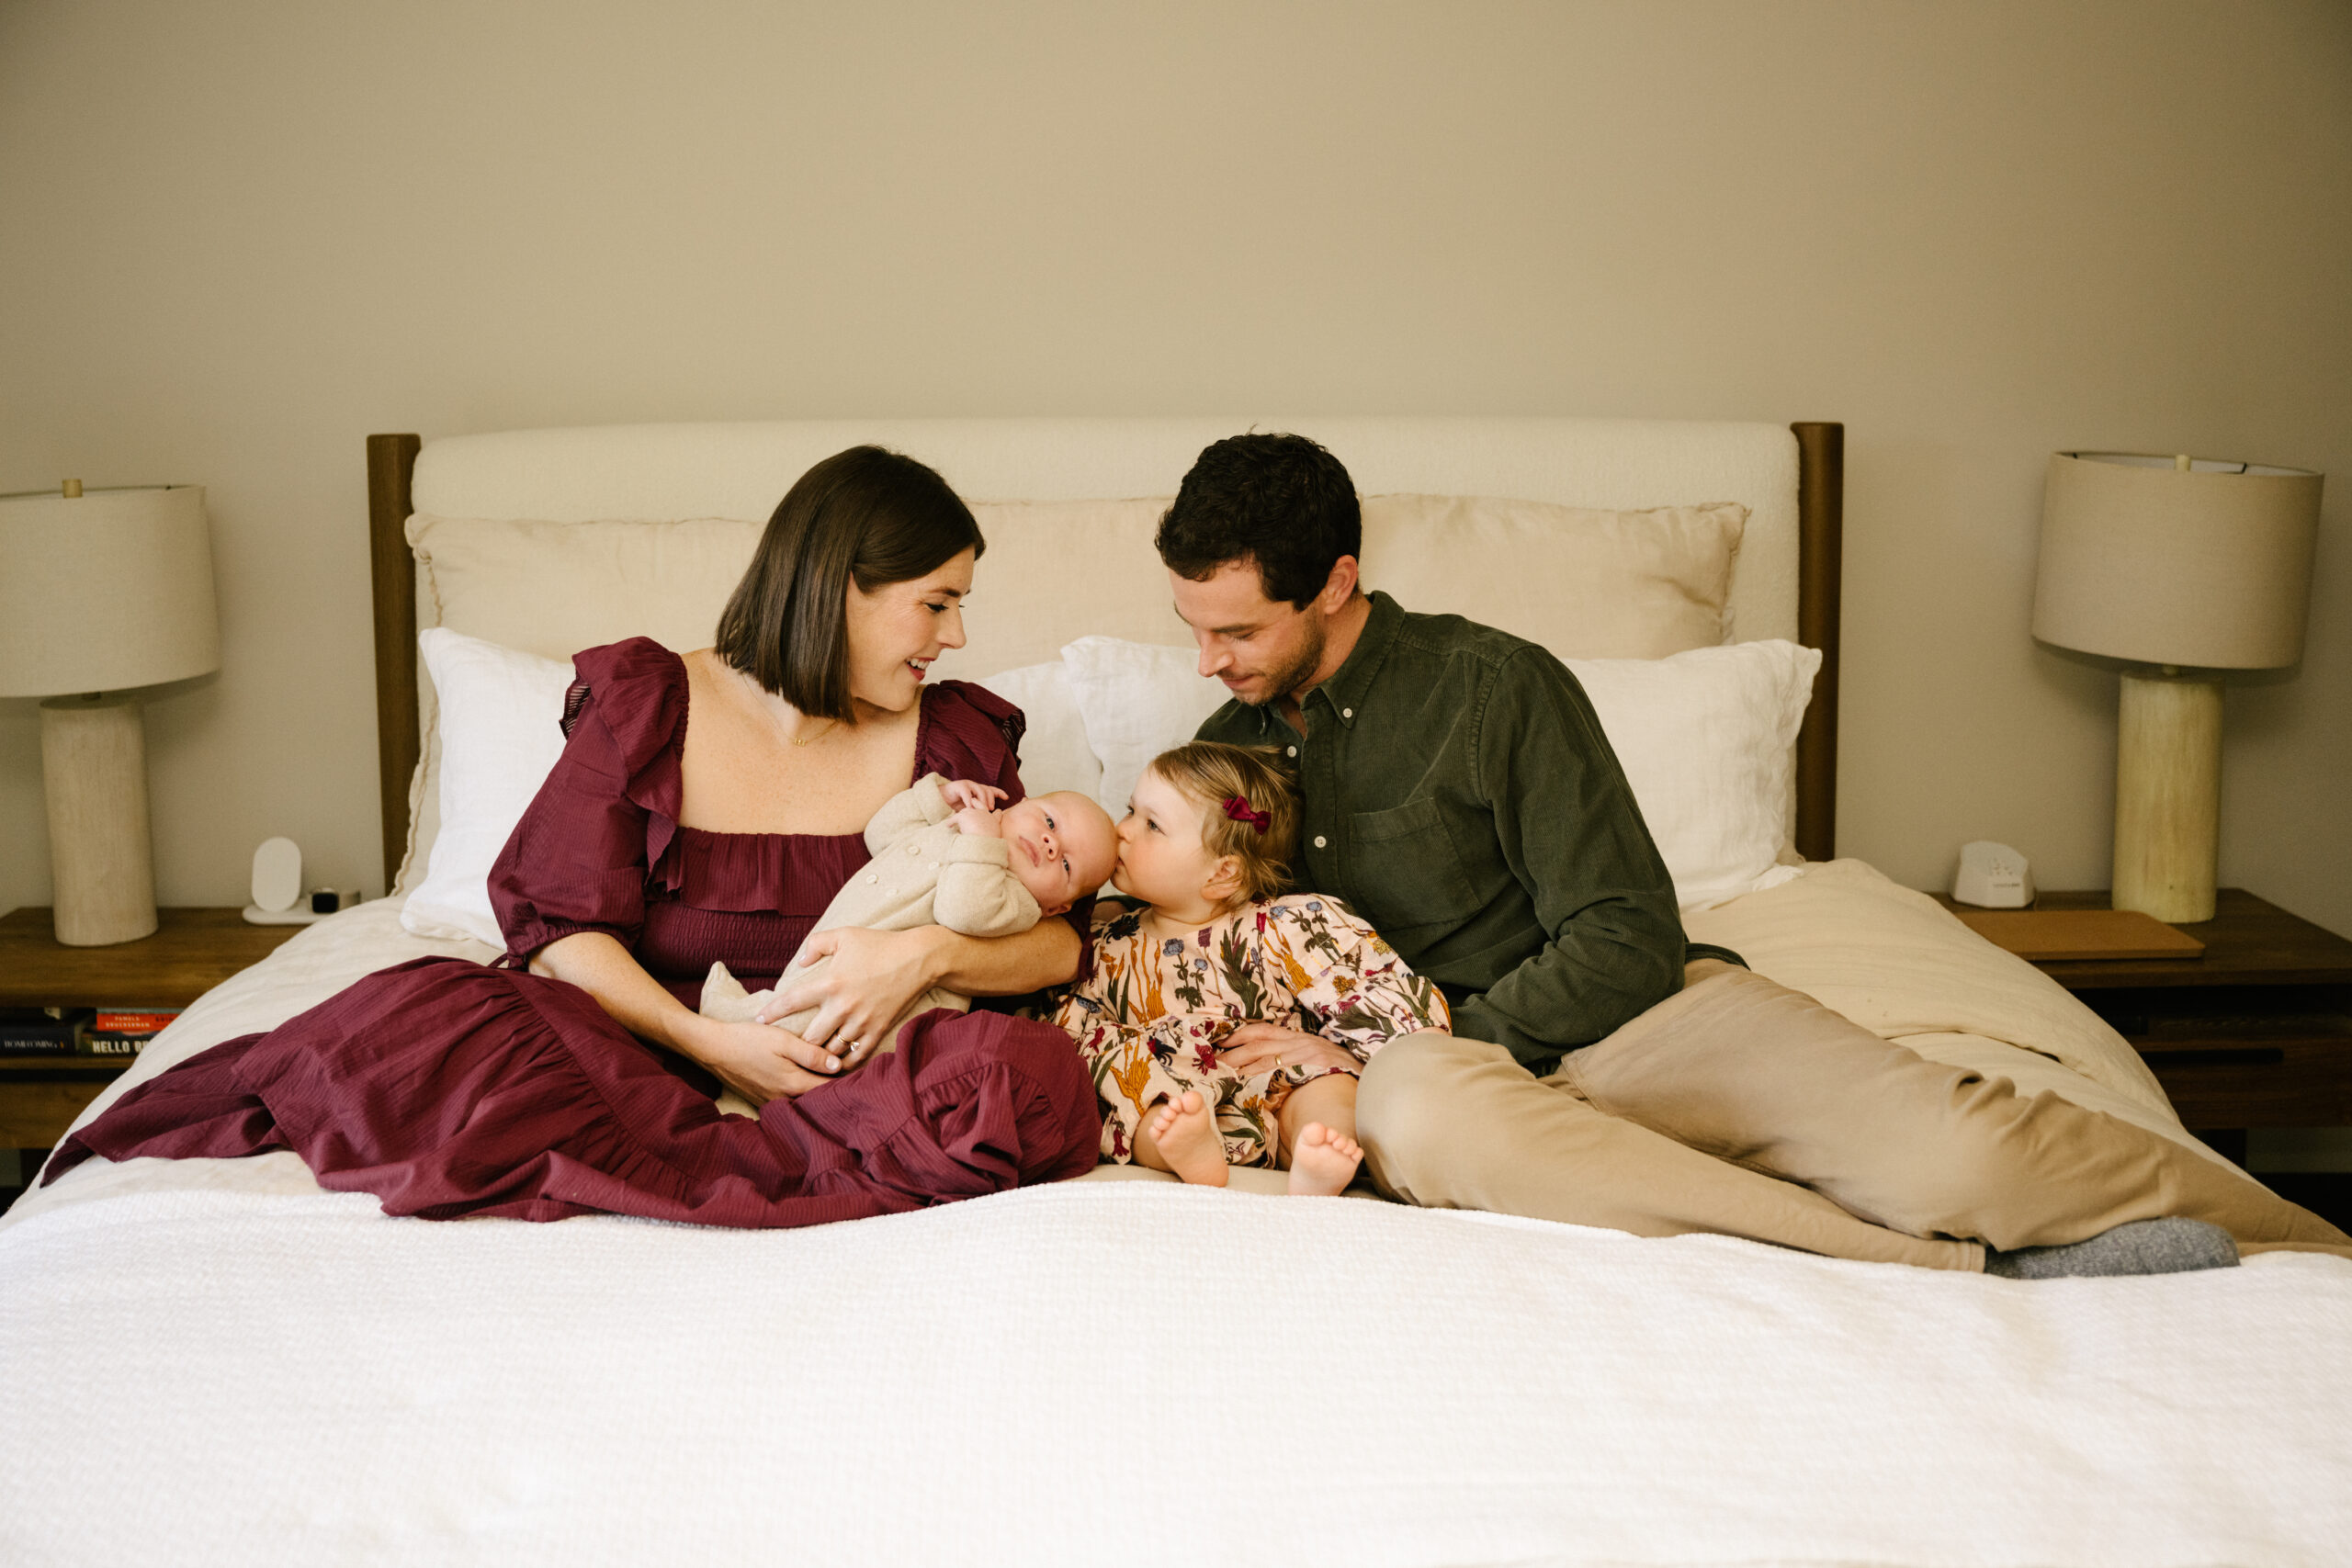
[(1238, 809)]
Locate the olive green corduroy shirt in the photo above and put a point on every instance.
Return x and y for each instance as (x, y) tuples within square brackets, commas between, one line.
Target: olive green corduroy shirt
[(1460, 794)]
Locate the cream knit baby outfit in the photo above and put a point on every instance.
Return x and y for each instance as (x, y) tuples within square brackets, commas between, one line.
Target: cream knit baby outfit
[(925, 872)]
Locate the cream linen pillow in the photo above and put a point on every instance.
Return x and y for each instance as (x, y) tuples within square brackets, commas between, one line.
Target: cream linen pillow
[(555, 588), (1585, 584), (1059, 569), (1053, 570), (551, 589), (501, 730)]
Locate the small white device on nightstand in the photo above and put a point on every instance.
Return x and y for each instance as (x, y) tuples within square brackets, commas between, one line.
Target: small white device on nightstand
[(278, 898), (1993, 876)]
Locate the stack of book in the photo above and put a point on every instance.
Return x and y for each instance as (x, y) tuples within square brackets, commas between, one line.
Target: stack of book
[(124, 1031), (80, 1031)]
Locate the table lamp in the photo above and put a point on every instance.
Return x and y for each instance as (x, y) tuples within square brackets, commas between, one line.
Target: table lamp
[(2183, 569), (102, 593)]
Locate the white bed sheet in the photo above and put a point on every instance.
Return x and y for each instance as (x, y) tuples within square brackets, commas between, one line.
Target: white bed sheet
[(212, 1360)]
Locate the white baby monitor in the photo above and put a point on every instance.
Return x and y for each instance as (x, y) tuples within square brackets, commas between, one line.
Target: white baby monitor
[(278, 875), (1993, 876), (278, 898)]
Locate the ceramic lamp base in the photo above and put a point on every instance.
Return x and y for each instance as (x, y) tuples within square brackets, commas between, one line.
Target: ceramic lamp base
[(93, 767), (2168, 796)]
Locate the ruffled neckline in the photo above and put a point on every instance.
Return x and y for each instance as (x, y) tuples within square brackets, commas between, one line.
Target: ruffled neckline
[(638, 691)]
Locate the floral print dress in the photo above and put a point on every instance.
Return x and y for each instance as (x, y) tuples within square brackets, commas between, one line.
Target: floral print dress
[(1150, 1017)]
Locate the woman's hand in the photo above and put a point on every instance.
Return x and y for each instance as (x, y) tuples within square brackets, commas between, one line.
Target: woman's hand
[(762, 1063), (1261, 1047), (874, 978)]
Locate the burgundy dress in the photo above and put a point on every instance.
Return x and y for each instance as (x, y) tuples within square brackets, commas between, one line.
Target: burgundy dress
[(449, 1088)]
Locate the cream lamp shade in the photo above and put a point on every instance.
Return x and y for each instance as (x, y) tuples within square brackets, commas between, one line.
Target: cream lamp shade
[(2207, 567), (2183, 567), (106, 590), (100, 594)]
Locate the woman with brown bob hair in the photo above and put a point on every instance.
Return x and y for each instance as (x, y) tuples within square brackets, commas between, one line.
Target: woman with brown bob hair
[(706, 808)]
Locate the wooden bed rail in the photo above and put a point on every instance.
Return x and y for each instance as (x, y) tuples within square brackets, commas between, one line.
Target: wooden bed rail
[(390, 460), (1821, 532), (1821, 497)]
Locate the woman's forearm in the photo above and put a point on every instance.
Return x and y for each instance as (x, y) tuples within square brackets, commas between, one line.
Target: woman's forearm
[(600, 966), (1046, 954)]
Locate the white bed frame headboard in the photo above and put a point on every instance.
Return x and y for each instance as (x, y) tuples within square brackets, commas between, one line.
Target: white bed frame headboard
[(1790, 480)]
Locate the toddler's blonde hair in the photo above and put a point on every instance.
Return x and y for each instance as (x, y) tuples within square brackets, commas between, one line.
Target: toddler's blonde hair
[(1209, 773)]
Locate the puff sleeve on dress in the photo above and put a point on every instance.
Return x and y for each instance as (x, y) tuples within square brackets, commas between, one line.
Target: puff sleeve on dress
[(973, 733), (579, 858)]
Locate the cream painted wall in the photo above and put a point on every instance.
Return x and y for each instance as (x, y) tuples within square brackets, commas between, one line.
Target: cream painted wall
[(235, 238)]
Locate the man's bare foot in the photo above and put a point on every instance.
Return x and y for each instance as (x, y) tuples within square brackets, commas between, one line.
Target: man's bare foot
[(1322, 1162), (1185, 1134)]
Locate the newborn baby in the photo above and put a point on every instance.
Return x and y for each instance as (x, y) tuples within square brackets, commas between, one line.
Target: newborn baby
[(944, 855)]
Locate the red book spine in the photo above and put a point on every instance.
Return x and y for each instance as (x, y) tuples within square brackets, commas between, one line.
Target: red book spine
[(134, 1020)]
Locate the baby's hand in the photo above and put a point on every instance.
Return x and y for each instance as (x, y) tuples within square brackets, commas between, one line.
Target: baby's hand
[(967, 795), (976, 823)]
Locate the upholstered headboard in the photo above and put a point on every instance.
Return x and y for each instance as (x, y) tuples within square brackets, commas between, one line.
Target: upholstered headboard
[(1785, 583)]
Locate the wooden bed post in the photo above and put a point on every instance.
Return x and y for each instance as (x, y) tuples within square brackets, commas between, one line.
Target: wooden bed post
[(390, 460), (1821, 511)]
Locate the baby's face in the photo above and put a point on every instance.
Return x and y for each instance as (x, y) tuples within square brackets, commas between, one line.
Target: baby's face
[(1063, 846)]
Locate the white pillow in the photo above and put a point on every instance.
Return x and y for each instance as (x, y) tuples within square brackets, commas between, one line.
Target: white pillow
[(1053, 753), (1707, 740), (1137, 700), (501, 730)]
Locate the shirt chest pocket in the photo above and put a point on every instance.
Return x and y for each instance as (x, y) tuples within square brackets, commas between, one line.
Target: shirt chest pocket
[(1402, 871)]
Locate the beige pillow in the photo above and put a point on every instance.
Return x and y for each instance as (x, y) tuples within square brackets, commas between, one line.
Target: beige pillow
[(1060, 569), (1585, 584), (552, 589), (1055, 570)]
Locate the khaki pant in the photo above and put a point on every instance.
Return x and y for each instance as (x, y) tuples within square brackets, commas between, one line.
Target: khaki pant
[(1741, 1108)]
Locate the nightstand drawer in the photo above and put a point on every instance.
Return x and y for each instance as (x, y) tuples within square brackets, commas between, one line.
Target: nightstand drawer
[(38, 1102), (2274, 1081)]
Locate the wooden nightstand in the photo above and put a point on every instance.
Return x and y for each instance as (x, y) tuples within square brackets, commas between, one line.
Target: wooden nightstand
[(193, 951), (2257, 1033)]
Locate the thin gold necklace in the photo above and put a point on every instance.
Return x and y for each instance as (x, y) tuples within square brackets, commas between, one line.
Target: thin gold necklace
[(831, 724)]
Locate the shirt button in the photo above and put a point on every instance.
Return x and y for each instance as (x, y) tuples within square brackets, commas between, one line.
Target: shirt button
[(871, 877), (1294, 750), (914, 849), (1347, 712), (1319, 841)]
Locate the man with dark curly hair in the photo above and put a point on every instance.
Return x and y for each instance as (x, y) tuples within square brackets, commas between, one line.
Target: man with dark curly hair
[(1601, 1069)]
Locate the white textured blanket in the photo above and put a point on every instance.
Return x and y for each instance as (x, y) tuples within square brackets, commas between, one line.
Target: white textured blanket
[(1137, 1375), (212, 1360)]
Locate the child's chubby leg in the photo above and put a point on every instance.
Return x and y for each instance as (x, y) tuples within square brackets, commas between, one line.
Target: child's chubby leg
[(1178, 1135), (1164, 1099), (1319, 1126)]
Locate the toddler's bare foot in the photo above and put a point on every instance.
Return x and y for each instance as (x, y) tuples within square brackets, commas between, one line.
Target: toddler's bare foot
[(1186, 1135), (1322, 1162)]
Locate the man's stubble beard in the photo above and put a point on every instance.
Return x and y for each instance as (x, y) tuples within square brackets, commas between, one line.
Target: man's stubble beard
[(1291, 680)]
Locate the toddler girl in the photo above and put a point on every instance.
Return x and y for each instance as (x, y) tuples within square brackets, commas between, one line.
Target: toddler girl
[(1225, 1021)]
